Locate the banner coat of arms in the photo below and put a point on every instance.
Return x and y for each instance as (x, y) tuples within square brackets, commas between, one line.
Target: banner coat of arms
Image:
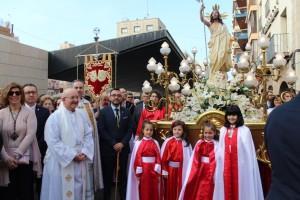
[(98, 75)]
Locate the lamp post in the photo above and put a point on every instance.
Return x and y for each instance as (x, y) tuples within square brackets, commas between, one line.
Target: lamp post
[(267, 71), (164, 76), (169, 80), (263, 43)]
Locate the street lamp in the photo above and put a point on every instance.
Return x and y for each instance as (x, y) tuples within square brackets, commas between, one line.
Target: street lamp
[(267, 71), (164, 77), (291, 76), (169, 80)]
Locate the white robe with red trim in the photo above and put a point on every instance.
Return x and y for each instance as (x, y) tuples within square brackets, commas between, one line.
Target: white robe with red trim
[(249, 182), (133, 181)]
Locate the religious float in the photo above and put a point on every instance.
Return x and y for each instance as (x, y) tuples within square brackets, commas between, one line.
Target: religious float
[(209, 87)]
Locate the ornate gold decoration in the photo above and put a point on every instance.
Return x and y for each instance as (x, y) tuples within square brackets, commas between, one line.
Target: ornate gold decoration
[(282, 96), (162, 129), (163, 134), (262, 155), (151, 106), (97, 74), (217, 118), (216, 7)]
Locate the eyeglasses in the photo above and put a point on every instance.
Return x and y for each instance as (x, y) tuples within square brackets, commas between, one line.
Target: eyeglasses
[(30, 92), (12, 93), (116, 95), (72, 97)]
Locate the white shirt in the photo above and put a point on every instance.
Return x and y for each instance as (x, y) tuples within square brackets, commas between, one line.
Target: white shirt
[(114, 107), (31, 107)]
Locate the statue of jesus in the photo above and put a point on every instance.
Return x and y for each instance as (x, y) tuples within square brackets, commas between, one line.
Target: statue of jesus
[(219, 44)]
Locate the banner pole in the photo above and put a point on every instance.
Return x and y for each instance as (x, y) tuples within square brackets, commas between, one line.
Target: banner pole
[(116, 70)]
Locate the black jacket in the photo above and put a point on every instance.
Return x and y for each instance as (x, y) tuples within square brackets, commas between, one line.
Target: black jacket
[(136, 115), (282, 137), (130, 106), (110, 134), (42, 115)]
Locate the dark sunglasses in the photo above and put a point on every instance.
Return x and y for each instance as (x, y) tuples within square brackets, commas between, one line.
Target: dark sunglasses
[(11, 93)]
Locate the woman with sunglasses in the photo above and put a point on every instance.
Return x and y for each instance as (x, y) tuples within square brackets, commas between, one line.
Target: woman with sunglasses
[(20, 153)]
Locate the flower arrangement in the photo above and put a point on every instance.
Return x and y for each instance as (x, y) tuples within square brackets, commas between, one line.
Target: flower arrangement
[(216, 94)]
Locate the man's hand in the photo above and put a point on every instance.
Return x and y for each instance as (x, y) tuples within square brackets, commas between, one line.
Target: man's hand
[(118, 147), (79, 157)]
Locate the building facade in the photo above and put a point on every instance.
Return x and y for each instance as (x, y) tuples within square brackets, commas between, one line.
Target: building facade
[(278, 21), (132, 27), (240, 29)]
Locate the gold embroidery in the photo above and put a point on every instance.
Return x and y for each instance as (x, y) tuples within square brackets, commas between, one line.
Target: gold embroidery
[(68, 178), (69, 194), (91, 115)]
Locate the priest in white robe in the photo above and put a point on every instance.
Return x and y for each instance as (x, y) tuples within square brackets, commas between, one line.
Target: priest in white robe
[(70, 148)]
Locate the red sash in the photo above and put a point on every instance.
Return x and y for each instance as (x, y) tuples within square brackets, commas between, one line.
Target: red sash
[(173, 153), (231, 179)]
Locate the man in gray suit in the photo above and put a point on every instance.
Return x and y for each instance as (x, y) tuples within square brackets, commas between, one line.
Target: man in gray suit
[(138, 110)]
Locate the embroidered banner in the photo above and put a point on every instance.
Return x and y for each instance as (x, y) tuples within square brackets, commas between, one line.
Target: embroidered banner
[(98, 74)]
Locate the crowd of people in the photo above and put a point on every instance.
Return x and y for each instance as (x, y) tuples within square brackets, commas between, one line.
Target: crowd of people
[(74, 148)]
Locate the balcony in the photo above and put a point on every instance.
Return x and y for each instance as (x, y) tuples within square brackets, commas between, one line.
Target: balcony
[(240, 17), (278, 44), (241, 37)]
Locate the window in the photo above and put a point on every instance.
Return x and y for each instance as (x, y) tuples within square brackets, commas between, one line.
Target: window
[(136, 29), (149, 27), (124, 30)]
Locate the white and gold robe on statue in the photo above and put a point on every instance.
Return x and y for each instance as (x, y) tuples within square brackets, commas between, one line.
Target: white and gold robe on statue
[(67, 134)]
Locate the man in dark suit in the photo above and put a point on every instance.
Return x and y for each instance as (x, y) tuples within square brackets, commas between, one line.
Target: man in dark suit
[(138, 110), (282, 139), (42, 114), (115, 131), (126, 104)]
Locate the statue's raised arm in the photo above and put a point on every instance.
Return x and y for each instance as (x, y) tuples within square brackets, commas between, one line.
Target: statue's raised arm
[(202, 18)]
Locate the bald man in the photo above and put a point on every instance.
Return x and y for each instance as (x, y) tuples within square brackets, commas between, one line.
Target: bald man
[(70, 148)]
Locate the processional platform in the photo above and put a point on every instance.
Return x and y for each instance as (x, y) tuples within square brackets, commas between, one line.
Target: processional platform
[(195, 129)]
